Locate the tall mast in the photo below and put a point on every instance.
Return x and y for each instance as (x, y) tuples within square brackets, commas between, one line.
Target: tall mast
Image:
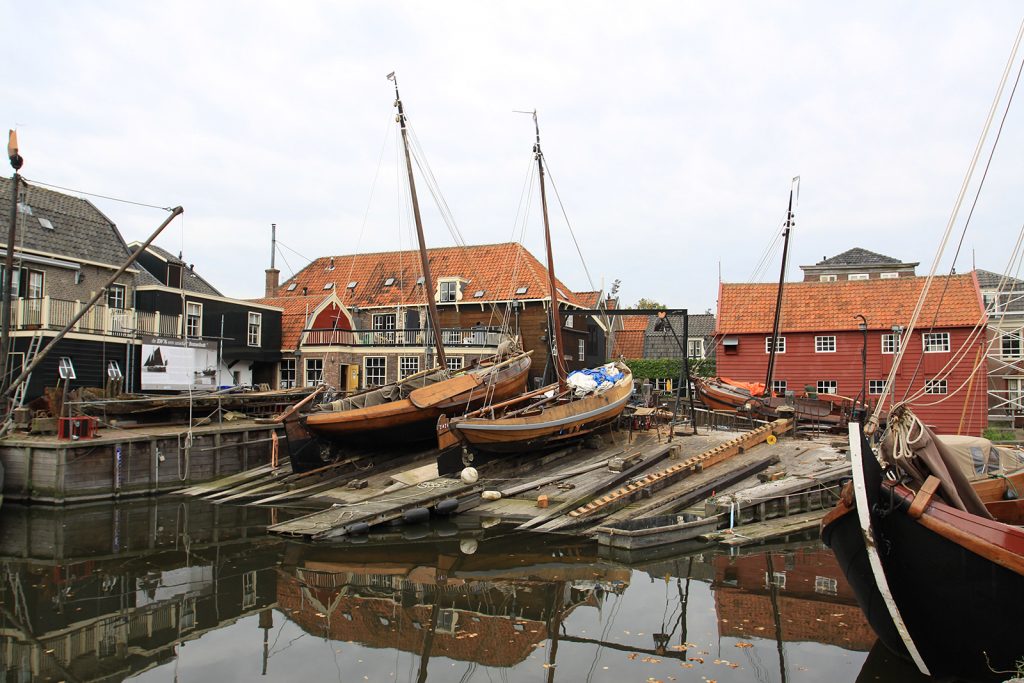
[(778, 297), (555, 319), (428, 281)]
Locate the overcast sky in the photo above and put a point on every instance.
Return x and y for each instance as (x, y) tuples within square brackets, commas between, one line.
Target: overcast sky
[(672, 129)]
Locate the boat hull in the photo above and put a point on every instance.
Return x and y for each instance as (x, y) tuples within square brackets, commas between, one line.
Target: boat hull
[(550, 427)]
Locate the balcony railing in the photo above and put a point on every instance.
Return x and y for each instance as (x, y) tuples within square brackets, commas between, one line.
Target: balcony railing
[(48, 313), (479, 337)]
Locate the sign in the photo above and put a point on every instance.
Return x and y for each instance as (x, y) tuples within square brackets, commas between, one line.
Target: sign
[(170, 363)]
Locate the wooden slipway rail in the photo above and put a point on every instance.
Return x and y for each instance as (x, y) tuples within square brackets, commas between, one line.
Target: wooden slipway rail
[(723, 451)]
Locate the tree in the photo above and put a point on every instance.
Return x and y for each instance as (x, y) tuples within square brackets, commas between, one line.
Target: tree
[(648, 304)]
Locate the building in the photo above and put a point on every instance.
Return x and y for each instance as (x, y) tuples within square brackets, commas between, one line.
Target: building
[(645, 336), (1004, 303), (360, 320), (820, 342), (858, 264)]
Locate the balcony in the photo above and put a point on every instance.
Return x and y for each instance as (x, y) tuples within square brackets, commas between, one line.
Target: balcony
[(48, 313), (469, 337)]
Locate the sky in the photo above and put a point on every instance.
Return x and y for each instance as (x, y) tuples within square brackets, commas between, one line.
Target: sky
[(672, 130)]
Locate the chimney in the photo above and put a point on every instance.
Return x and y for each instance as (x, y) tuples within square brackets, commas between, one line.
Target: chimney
[(273, 277)]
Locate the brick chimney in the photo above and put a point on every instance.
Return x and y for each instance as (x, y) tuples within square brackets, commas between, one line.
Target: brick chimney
[(272, 282)]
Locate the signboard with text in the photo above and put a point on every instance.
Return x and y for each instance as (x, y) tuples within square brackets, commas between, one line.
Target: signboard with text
[(178, 364)]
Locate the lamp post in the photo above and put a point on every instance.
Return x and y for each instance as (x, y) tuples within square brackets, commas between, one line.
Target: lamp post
[(863, 327), (5, 327)]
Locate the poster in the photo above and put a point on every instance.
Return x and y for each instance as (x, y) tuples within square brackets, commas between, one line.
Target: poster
[(178, 364)]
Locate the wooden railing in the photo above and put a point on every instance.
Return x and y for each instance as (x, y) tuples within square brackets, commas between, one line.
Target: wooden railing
[(479, 337), (48, 313)]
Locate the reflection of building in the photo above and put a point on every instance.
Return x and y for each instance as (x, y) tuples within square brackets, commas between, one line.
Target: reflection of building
[(114, 611), (490, 608), (799, 595)]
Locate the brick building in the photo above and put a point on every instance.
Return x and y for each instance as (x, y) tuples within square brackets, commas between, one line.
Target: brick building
[(858, 264)]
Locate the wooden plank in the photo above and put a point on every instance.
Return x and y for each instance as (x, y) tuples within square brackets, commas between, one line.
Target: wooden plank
[(763, 531), (416, 475), (432, 394), (303, 492), (225, 482)]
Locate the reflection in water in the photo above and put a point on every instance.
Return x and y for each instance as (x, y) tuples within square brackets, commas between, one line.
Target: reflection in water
[(112, 591)]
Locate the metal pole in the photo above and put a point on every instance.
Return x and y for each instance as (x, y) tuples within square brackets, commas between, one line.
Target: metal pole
[(5, 333), (778, 298), (273, 244), (175, 212), (863, 361)]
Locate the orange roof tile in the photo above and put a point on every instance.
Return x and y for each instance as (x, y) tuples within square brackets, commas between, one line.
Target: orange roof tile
[(497, 270), (634, 322), (821, 306), (588, 299), (629, 344), (296, 310)]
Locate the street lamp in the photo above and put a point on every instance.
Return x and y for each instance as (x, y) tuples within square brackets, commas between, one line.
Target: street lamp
[(863, 327)]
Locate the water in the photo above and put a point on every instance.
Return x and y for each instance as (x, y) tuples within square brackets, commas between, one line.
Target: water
[(183, 590)]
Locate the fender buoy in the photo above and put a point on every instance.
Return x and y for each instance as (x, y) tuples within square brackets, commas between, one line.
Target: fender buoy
[(415, 515), (447, 506)]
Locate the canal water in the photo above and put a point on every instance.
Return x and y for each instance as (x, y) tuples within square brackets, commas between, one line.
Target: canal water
[(182, 590)]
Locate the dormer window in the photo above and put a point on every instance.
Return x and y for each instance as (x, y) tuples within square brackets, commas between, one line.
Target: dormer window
[(173, 275), (390, 281), (449, 291)]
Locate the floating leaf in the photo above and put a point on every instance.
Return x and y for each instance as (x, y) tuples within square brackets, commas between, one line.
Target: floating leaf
[(744, 645)]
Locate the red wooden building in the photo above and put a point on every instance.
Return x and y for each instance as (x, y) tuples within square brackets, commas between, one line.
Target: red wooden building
[(820, 342)]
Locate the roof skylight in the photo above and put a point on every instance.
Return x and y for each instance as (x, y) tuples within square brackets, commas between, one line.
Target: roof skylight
[(291, 287), (352, 285), (478, 293), (390, 281), (329, 285), (45, 222), (522, 290)]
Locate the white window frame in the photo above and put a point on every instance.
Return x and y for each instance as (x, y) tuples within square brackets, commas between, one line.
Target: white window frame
[(825, 343), (193, 321), (117, 297), (890, 344), (876, 387), (313, 371), (582, 349), (695, 347), (447, 291), (858, 276), (455, 363), (827, 278), (780, 345), (382, 367), (408, 365), (114, 370), (1014, 337), (288, 366), (35, 286), (889, 276), (827, 386), (936, 387), (779, 387), (255, 328), (929, 340), (66, 368), (383, 325), (826, 585)]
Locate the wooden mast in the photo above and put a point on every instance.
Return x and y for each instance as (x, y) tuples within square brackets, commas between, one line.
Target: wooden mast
[(555, 319), (428, 281), (778, 298)]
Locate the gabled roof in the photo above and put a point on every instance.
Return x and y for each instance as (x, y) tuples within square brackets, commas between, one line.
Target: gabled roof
[(496, 270), (989, 280), (859, 257), (191, 281), (295, 312), (699, 325), (628, 344), (634, 322), (80, 231), (588, 299), (832, 306)]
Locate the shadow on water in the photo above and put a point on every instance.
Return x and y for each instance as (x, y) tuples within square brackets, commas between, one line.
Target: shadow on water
[(168, 589)]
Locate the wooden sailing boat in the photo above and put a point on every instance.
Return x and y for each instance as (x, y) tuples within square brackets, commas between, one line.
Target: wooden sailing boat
[(408, 409), (551, 415)]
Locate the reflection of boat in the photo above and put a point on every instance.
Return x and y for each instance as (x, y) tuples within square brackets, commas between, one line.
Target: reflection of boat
[(939, 578), (206, 372), (648, 532), (155, 362), (554, 414), (407, 410)]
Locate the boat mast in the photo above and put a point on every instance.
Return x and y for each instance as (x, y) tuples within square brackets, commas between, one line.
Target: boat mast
[(778, 298), (555, 319), (428, 281)]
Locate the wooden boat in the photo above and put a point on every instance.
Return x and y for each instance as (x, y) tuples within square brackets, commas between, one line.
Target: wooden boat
[(720, 394), (407, 410), (649, 532), (937, 566), (554, 414)]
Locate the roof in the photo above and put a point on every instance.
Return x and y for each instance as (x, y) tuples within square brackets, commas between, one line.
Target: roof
[(295, 312), (191, 281), (496, 270), (832, 306), (634, 322), (589, 299), (989, 280), (628, 344), (80, 230), (699, 325), (858, 257)]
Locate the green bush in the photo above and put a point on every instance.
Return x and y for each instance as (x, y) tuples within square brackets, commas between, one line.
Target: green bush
[(997, 434)]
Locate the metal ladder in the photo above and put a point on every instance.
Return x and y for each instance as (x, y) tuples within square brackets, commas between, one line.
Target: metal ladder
[(33, 348)]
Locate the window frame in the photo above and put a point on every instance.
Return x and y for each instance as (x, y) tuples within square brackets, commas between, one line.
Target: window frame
[(895, 340), (316, 367), (780, 387), (29, 285), (1013, 336), (821, 343), (287, 375), (403, 362), (383, 375), (858, 277), (447, 291), (888, 276), (876, 387), (257, 338), (117, 294), (938, 336), (455, 363), (828, 277), (193, 322), (581, 349), (780, 345), (699, 352), (822, 389), (936, 387)]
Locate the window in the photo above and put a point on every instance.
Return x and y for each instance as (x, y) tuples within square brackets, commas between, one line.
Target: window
[(173, 275), (35, 285), (116, 296), (582, 349), (114, 371), (328, 285), (889, 276), (449, 291), (375, 371), (478, 294), (454, 362), (15, 281), (780, 345), (388, 282), (827, 278), (193, 319), (65, 368), (777, 579), (876, 386), (858, 276), (408, 365), (522, 290), (695, 347), (384, 328), (249, 589), (1010, 344), (1014, 395), (287, 373), (827, 386), (825, 344), (255, 328), (187, 620), (826, 585), (779, 387), (935, 342), (935, 386), (292, 286), (314, 371), (890, 343), (569, 320)]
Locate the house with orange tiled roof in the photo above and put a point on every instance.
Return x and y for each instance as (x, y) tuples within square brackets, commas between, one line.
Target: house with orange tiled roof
[(821, 341), (360, 320)]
